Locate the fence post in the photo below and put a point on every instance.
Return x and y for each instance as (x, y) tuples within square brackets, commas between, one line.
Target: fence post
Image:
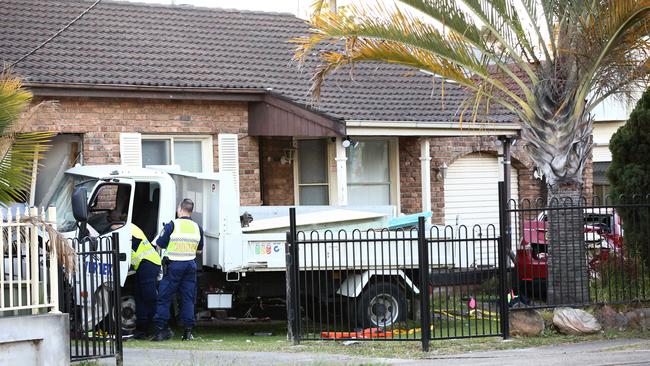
[(291, 253), (503, 243), (34, 259), (54, 264), (119, 351), (423, 267)]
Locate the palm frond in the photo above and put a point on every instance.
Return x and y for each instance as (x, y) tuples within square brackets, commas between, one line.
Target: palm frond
[(620, 30), (500, 18), (457, 22), (535, 12), (13, 99), (55, 240), (18, 149), (405, 40), (16, 163)]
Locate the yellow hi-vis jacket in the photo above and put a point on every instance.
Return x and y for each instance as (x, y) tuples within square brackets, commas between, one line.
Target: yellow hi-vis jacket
[(183, 241), (145, 249)]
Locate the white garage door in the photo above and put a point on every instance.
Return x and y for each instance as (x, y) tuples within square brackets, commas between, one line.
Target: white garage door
[(472, 192)]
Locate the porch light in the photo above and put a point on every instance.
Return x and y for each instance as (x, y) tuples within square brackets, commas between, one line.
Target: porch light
[(347, 142), (442, 172)]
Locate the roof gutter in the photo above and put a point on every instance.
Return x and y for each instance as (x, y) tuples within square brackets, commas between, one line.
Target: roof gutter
[(167, 92), (419, 128), (144, 91)]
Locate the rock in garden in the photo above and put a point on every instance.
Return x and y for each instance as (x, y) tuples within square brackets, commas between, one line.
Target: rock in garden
[(527, 323), (638, 319), (611, 319), (575, 321)]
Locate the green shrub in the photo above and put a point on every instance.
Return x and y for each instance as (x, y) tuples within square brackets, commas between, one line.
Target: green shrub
[(629, 176)]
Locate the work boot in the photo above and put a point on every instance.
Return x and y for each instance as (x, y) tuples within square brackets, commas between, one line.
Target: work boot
[(151, 331), (162, 335), (140, 334), (187, 334), (144, 331)]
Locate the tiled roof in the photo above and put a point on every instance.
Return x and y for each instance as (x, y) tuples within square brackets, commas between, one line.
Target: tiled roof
[(121, 43)]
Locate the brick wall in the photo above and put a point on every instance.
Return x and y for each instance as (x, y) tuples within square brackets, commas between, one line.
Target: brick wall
[(101, 120), (278, 177), (410, 177)]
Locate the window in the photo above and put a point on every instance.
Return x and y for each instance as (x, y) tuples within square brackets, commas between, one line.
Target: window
[(368, 170), (190, 154), (602, 191), (601, 183), (109, 207), (312, 172)]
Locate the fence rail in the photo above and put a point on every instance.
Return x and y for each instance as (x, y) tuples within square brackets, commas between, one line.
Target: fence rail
[(417, 284), (459, 282), (28, 270)]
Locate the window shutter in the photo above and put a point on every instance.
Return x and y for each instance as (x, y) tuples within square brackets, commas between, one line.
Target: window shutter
[(229, 157), (131, 149)]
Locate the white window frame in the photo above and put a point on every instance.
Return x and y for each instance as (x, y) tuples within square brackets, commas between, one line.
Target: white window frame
[(207, 147), (296, 171)]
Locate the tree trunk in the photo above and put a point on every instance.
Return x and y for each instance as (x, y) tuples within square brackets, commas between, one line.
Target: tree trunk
[(568, 277)]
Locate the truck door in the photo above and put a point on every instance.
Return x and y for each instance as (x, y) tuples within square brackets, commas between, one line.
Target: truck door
[(110, 210)]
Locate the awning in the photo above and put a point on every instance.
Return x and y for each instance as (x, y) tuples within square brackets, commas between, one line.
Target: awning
[(277, 117)]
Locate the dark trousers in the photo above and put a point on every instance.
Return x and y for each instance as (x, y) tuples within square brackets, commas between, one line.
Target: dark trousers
[(146, 294), (181, 278)]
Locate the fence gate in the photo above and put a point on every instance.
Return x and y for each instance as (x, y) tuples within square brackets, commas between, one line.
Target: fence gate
[(91, 296), (399, 285)]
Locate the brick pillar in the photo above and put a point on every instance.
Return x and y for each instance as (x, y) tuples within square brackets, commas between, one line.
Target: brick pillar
[(410, 175)]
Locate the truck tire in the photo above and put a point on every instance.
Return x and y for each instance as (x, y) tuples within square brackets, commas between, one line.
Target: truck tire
[(382, 305), (128, 314)]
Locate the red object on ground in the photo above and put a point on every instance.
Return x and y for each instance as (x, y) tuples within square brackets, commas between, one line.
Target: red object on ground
[(367, 333)]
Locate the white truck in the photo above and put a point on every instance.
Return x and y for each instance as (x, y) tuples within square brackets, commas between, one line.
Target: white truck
[(240, 267)]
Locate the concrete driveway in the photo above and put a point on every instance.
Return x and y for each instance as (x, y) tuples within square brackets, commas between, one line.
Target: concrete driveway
[(601, 353)]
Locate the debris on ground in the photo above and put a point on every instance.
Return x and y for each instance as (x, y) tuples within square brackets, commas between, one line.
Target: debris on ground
[(575, 321), (527, 323)]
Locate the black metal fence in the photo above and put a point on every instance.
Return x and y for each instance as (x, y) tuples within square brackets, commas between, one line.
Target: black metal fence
[(400, 285), (439, 282), (91, 296), (580, 251)]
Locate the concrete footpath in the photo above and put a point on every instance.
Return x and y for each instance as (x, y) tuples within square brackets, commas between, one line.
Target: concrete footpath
[(601, 353)]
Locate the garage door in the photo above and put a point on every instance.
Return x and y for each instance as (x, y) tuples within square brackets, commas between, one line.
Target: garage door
[(472, 192)]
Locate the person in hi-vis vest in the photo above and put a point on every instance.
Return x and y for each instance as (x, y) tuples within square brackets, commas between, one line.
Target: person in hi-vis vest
[(146, 263), (181, 240)]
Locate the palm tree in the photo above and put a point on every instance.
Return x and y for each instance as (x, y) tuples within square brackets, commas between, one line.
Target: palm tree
[(19, 150), (549, 62)]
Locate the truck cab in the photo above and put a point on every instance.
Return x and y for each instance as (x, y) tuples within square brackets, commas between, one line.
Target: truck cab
[(117, 196)]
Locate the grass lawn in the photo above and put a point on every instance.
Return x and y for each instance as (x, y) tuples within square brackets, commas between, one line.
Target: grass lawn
[(239, 337)]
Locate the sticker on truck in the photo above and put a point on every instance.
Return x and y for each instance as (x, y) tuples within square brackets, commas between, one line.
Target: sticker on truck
[(103, 269), (265, 248)]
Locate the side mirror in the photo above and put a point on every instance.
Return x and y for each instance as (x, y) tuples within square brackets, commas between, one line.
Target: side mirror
[(80, 204)]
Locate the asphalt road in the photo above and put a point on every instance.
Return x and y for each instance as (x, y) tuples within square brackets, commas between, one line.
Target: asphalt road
[(601, 353)]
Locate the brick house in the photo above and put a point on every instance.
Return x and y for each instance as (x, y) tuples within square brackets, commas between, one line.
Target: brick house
[(159, 84)]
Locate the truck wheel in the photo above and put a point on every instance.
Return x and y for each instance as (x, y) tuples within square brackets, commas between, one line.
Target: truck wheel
[(382, 305), (128, 314)]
